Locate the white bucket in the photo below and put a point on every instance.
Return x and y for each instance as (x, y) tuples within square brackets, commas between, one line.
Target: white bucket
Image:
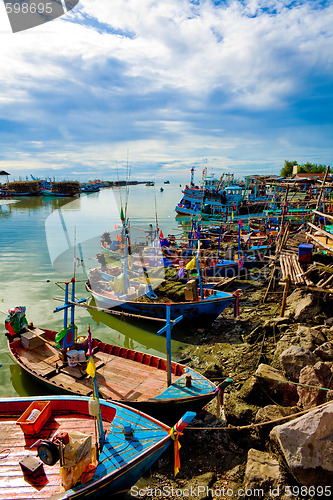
[(72, 358), (81, 356)]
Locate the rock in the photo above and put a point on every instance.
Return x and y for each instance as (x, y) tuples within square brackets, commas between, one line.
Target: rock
[(325, 351), (262, 471), (273, 412), (272, 384), (309, 338), (201, 484), (237, 411), (304, 336), (329, 322), (302, 305), (318, 375), (307, 446), (294, 359)]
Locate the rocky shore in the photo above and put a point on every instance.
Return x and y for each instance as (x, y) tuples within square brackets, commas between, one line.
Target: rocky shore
[(273, 438)]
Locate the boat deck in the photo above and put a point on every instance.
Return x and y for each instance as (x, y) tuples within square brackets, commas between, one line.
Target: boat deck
[(15, 446), (67, 414), (118, 378)]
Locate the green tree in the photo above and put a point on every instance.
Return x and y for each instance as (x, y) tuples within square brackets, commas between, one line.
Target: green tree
[(307, 168), (287, 170)]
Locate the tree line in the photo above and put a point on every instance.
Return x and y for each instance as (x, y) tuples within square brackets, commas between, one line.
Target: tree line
[(307, 168)]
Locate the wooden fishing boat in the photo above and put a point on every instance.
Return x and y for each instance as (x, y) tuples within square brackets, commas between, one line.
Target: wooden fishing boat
[(126, 375), (203, 308), (35, 455)]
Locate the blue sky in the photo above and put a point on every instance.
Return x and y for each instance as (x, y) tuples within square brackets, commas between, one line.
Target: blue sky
[(235, 86)]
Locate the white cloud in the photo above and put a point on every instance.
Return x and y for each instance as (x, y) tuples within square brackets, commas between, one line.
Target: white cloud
[(165, 79)]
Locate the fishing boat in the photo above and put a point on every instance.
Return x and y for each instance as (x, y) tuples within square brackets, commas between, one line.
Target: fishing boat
[(61, 189), (215, 198), (89, 188), (204, 306), (149, 383), (50, 447)]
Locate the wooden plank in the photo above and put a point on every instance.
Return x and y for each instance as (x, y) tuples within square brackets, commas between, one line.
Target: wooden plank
[(68, 383), (12, 482)]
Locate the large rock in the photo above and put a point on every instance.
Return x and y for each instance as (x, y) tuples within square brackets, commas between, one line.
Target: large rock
[(274, 386), (262, 471), (307, 446), (325, 351), (318, 375), (270, 413), (304, 336), (237, 411), (294, 359), (302, 305)]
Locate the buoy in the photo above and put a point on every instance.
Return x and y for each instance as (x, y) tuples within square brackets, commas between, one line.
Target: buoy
[(93, 407)]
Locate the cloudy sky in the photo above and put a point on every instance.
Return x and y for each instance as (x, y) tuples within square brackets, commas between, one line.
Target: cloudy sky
[(236, 86)]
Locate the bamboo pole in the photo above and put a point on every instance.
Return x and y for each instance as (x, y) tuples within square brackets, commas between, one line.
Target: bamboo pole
[(322, 231), (284, 298)]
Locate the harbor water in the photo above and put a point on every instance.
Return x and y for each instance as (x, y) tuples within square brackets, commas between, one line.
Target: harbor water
[(38, 236)]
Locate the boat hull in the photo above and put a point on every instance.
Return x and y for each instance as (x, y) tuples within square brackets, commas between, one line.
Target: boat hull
[(192, 311)]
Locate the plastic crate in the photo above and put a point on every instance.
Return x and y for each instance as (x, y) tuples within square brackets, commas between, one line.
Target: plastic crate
[(305, 252), (33, 426)]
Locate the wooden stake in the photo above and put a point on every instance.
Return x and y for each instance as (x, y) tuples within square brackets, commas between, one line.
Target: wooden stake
[(285, 293)]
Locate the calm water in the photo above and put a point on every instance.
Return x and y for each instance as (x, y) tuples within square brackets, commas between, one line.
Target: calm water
[(34, 234)]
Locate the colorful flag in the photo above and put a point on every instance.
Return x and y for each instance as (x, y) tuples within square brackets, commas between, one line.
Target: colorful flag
[(116, 227), (190, 265), (91, 367), (181, 272), (240, 223), (234, 206), (161, 234)]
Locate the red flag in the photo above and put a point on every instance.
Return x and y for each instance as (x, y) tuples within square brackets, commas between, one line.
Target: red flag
[(234, 206), (240, 223), (115, 226), (161, 235)]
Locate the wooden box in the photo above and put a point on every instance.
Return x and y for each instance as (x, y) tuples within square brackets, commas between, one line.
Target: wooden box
[(30, 341)]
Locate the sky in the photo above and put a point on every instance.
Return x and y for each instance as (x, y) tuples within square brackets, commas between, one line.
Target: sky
[(161, 86)]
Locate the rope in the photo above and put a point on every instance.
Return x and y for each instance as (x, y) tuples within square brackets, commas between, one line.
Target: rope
[(295, 383), (4, 453), (253, 426)]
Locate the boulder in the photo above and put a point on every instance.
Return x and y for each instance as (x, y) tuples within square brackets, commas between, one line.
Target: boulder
[(307, 446), (304, 336), (270, 413), (237, 411), (325, 351), (302, 305), (318, 375), (273, 385), (294, 359), (310, 338), (262, 472)]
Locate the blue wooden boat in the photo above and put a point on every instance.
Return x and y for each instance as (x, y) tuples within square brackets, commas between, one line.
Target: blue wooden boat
[(36, 434), (89, 188), (206, 308), (48, 192)]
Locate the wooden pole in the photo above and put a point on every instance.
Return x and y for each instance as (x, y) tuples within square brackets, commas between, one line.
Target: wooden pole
[(285, 293)]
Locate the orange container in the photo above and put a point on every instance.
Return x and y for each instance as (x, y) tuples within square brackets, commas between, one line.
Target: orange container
[(35, 417)]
